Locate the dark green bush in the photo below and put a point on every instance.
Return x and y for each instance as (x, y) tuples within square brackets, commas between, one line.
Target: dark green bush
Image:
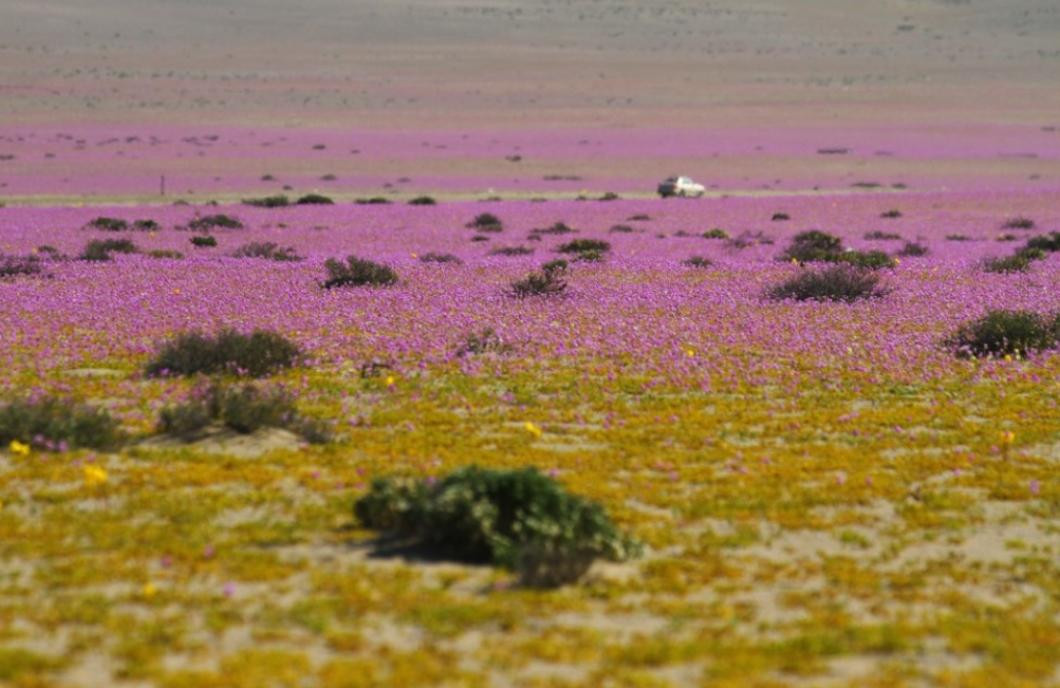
[(1005, 332), (621, 229), (873, 260), (716, 233), (315, 199), (357, 272), (698, 262), (109, 224), (52, 423), (958, 237), (277, 201), (13, 266), (243, 408), (584, 246), (812, 246), (440, 258), (639, 218), (253, 355), (165, 253), (146, 226), (548, 282), (422, 200), (1050, 243), (877, 235), (100, 249), (511, 251), (220, 221), (518, 519), (374, 200), (1014, 263), (267, 250), (780, 217), (203, 241), (913, 249), (486, 222), (1018, 223), (892, 214), (846, 283), (609, 196)]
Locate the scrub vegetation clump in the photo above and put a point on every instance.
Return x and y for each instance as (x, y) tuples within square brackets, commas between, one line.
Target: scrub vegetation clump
[(229, 352)]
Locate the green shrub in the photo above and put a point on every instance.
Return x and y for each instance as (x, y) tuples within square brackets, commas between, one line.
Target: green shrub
[(958, 237), (892, 214), (584, 246), (548, 282), (511, 518), (100, 249), (877, 235), (253, 355), (511, 251), (1005, 332), (357, 272), (203, 241), (422, 200), (440, 258), (1049, 243), (698, 262), (813, 245), (486, 222), (277, 201), (374, 200), (165, 253), (242, 408), (51, 423), (640, 217), (267, 250), (621, 229), (1014, 263), (1018, 223), (208, 222), (315, 199), (873, 260), (912, 249), (846, 283), (146, 226), (13, 266), (780, 217), (108, 224), (609, 196), (716, 233)]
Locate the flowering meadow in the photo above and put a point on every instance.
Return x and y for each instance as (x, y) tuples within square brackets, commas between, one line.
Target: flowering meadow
[(826, 492)]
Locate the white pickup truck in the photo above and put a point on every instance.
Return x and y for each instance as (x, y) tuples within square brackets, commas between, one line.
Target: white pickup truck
[(680, 186)]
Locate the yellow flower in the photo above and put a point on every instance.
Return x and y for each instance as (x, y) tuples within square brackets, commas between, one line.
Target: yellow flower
[(532, 429), (1008, 437), (690, 352), (18, 448), (390, 380), (94, 475), (149, 590)]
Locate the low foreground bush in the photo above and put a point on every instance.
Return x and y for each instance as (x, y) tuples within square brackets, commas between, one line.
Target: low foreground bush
[(208, 222), (433, 257), (872, 260), (52, 423), (486, 222), (716, 233), (812, 246), (253, 355), (511, 251), (912, 249), (1004, 333), (584, 246), (242, 408), (357, 272), (13, 266), (267, 250), (697, 262), (1018, 223), (108, 224), (518, 519), (315, 199), (203, 241), (1018, 262), (422, 200), (549, 281), (836, 283), (278, 201), (101, 249), (1049, 243)]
